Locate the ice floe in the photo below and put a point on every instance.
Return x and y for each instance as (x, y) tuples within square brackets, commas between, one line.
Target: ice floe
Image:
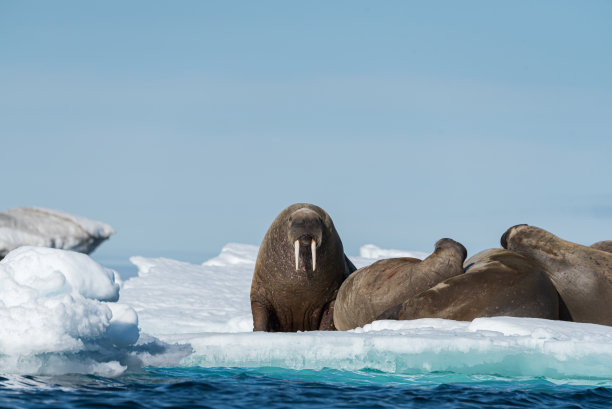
[(60, 314)]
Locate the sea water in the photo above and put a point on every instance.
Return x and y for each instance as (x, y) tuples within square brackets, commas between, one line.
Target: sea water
[(270, 387), (193, 346)]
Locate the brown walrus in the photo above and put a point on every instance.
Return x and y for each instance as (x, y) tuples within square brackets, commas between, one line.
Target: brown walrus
[(581, 274), (370, 291), (605, 245), (496, 282), (299, 269)]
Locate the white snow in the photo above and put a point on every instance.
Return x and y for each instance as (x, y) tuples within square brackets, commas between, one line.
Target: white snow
[(371, 251), (36, 226), (59, 316)]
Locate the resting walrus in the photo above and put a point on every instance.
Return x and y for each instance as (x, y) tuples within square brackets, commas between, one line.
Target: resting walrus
[(605, 245), (299, 268), (582, 275), (370, 291), (497, 282)]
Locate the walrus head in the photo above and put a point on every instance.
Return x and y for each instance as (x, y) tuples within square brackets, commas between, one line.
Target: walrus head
[(447, 243), (506, 235), (305, 231)]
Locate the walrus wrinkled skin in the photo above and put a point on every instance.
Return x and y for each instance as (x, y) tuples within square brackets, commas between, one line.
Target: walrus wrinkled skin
[(581, 274), (370, 291), (496, 282), (290, 293)]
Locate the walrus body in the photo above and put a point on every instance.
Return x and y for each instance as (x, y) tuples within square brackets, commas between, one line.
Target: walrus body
[(582, 275), (605, 245), (497, 282), (299, 269), (373, 289)]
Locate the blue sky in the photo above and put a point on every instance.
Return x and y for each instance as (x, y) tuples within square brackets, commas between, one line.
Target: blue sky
[(187, 125)]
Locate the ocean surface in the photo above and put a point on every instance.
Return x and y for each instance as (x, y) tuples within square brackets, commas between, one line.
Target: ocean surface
[(280, 388), (180, 337)]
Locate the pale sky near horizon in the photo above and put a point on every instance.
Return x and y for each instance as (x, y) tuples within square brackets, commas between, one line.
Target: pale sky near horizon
[(187, 125)]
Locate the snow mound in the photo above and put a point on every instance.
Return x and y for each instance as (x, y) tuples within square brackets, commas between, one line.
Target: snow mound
[(234, 253), (35, 226), (59, 315)]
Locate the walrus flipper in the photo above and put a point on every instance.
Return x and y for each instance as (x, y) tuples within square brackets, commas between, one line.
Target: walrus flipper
[(264, 318), (350, 267)]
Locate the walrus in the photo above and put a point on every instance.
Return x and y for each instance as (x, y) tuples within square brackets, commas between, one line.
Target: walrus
[(605, 245), (299, 269), (370, 291), (582, 275), (496, 282)]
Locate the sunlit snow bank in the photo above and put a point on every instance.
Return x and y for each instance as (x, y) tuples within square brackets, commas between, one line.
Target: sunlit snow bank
[(173, 297), (58, 314), (207, 306), (35, 226)]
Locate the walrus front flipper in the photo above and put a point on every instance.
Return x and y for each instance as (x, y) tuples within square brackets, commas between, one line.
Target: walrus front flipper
[(350, 267), (264, 318), (327, 319), (502, 283)]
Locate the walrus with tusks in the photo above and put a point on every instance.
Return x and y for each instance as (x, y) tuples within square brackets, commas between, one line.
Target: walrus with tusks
[(372, 290), (496, 282), (299, 269), (582, 275)]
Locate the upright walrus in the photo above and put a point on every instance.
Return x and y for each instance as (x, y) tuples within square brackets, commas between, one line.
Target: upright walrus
[(299, 269), (582, 275), (496, 282), (370, 291)]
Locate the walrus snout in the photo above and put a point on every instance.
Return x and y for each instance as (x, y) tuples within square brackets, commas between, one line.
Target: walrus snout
[(305, 230), (447, 243), (504, 238)]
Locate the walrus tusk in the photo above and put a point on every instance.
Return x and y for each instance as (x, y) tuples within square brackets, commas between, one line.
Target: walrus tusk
[(313, 250), (297, 254)]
